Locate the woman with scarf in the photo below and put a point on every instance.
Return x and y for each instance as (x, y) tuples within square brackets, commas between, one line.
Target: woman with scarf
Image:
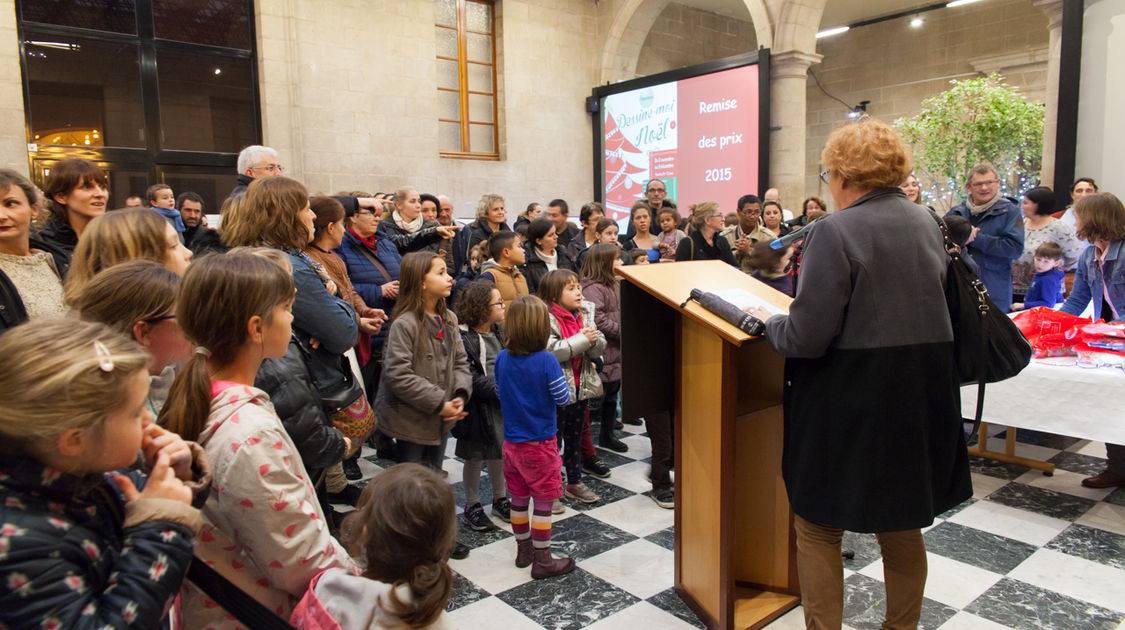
[(372, 261), (409, 230)]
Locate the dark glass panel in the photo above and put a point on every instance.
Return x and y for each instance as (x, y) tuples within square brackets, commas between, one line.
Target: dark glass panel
[(84, 93), (212, 22), (206, 101), (213, 184), (118, 16)]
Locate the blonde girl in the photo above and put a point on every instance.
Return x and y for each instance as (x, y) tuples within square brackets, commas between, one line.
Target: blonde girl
[(80, 545), (132, 234)]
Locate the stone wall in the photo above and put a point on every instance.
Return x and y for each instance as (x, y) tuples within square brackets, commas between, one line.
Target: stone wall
[(896, 66), (13, 132), (684, 36), (349, 99)]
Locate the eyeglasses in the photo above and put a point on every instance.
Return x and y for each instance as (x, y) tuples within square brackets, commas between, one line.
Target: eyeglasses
[(824, 176), (157, 320), (363, 212), (500, 304), (715, 216), (269, 168), (986, 183), (656, 190)]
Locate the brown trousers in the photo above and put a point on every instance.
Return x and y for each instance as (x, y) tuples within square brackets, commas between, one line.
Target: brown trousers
[(821, 571)]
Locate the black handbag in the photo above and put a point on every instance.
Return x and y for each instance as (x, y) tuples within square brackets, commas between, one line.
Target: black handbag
[(336, 382), (987, 345)]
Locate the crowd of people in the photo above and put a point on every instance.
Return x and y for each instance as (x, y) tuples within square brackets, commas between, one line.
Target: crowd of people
[(172, 391)]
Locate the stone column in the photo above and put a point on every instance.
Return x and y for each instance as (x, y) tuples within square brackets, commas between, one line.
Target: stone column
[(788, 77), (1054, 10), (13, 133)]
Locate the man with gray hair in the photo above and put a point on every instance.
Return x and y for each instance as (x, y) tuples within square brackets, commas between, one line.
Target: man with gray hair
[(255, 161), (997, 236)]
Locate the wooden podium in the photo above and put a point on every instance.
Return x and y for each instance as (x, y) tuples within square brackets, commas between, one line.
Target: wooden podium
[(735, 547)]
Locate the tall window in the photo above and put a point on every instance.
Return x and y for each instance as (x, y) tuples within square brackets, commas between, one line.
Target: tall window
[(466, 70), (151, 90)]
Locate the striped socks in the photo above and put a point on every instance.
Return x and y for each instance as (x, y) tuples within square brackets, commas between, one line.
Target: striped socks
[(541, 525), (520, 525)]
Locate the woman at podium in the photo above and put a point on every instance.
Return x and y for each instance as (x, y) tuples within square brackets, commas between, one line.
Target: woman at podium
[(873, 438)]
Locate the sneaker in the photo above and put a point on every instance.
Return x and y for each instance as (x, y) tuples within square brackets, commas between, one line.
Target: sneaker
[(581, 492), (476, 519), (348, 496), (665, 498), (351, 469), (460, 551), (502, 509), (557, 507), (595, 467)]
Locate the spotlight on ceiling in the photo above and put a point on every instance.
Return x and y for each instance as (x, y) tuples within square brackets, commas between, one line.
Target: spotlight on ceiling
[(833, 31), (958, 3), (917, 22)]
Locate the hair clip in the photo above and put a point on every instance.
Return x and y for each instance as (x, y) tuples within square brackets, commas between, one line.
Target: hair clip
[(203, 351), (105, 359)]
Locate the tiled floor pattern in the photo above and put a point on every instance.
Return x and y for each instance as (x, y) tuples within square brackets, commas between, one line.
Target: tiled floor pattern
[(1028, 551)]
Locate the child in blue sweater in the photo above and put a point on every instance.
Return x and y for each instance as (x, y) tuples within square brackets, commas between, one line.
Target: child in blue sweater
[(1046, 287), (530, 384)]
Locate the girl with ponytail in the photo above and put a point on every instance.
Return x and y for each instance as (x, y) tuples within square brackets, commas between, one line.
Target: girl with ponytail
[(402, 532), (263, 529)]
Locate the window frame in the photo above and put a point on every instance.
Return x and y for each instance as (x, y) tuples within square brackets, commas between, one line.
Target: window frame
[(153, 157), (463, 92)]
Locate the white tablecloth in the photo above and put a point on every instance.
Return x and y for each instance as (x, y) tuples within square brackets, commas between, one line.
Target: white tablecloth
[(1056, 396)]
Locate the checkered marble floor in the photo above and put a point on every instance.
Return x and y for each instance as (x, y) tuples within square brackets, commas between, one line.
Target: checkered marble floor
[(1028, 551)]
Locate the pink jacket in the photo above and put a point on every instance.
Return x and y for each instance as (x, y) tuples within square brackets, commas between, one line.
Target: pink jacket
[(263, 528)]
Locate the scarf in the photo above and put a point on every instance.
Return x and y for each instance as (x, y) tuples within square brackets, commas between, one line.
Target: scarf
[(173, 216), (981, 209), (410, 227), (552, 260), (369, 241), (570, 324)]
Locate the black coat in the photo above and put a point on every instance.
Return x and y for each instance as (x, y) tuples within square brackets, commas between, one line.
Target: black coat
[(65, 553), (873, 437), (478, 431), (297, 402), (426, 238), (467, 238), (534, 268)]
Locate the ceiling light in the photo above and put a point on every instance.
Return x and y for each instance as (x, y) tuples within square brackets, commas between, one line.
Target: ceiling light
[(957, 3), (218, 71), (832, 31), (917, 22)]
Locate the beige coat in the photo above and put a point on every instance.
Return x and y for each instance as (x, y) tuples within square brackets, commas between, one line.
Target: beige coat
[(420, 377), (566, 349)]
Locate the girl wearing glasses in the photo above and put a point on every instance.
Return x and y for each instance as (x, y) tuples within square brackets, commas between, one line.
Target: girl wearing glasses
[(480, 436)]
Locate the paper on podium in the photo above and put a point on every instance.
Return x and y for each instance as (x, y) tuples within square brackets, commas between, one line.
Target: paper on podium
[(743, 298)]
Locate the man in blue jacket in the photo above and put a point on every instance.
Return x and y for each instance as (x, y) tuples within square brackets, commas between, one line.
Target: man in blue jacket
[(997, 237)]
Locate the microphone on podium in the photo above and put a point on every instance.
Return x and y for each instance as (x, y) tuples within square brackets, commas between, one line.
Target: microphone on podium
[(792, 237), (745, 322)]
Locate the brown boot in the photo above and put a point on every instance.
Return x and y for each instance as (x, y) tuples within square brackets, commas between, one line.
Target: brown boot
[(545, 566), (524, 550), (1105, 479)]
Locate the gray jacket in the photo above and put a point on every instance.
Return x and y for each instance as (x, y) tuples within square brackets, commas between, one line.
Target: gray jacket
[(419, 376), (566, 349)]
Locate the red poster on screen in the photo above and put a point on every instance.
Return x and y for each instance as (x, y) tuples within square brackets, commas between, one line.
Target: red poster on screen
[(717, 156)]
